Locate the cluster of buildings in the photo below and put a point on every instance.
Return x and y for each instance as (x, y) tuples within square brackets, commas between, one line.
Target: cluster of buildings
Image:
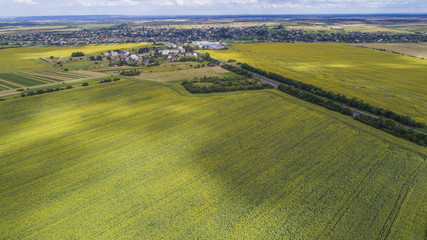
[(172, 53), (210, 45), (212, 34), (124, 57)]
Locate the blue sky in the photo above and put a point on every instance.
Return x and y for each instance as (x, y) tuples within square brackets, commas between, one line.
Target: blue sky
[(206, 7)]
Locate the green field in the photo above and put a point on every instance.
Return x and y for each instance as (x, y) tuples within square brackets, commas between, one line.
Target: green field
[(19, 79), (383, 79), (177, 75), (144, 160), (26, 79)]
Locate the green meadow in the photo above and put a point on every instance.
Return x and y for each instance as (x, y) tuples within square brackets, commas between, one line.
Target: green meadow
[(135, 159), (383, 79)]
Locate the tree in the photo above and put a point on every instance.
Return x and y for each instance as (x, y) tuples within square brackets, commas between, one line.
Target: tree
[(77, 54)]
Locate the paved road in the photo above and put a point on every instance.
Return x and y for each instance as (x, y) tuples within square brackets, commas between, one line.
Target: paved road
[(266, 80)]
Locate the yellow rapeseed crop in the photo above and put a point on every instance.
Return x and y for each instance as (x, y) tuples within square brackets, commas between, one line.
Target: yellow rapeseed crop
[(145, 160), (383, 79)]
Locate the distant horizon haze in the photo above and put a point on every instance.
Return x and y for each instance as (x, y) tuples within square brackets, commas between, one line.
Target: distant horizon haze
[(23, 8)]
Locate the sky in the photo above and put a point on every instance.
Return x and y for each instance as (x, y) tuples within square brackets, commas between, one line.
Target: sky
[(206, 7)]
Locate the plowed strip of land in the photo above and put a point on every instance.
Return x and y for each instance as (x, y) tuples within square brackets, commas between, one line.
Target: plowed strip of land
[(4, 86), (13, 84), (37, 78), (67, 75), (49, 76)]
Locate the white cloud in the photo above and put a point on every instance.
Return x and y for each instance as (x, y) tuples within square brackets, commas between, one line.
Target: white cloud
[(208, 7), (95, 3), (189, 3), (26, 1)]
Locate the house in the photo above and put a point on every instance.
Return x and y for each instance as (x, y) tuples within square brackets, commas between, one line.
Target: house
[(133, 57), (164, 52)]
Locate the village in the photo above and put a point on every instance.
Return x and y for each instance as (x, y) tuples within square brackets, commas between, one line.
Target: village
[(125, 34), (150, 56)]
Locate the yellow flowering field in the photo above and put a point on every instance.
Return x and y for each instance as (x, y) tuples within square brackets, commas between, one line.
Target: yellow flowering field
[(383, 79), (135, 159)]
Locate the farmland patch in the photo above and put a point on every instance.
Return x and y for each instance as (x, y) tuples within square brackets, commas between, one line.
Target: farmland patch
[(142, 159), (186, 74), (21, 80)]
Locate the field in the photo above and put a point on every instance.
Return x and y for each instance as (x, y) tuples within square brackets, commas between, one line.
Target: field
[(139, 159), (411, 49), (10, 81), (186, 74), (22, 30), (362, 27), (383, 79), (28, 59)]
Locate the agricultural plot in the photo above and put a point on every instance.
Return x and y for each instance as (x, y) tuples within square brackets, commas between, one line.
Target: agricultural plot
[(20, 80), (383, 79), (147, 160), (186, 74), (26, 79), (411, 49)]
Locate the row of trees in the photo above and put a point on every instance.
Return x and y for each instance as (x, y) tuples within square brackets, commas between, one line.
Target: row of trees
[(42, 91), (98, 58), (216, 84), (133, 72), (310, 97), (393, 128), (109, 80), (352, 102), (237, 70)]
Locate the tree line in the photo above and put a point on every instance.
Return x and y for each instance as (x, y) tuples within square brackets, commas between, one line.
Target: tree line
[(313, 98), (352, 102), (393, 128), (226, 84), (42, 91), (133, 72), (237, 70)]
